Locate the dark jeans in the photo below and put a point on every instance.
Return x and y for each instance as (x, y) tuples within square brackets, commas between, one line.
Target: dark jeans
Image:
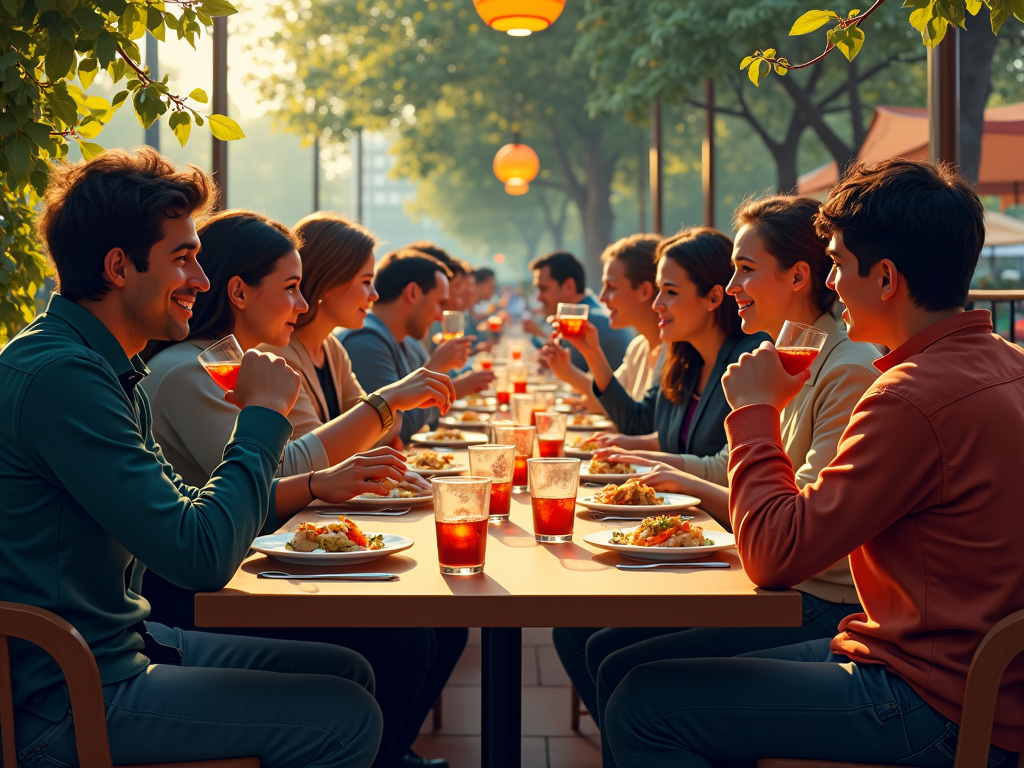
[(411, 666), (798, 701), (293, 705)]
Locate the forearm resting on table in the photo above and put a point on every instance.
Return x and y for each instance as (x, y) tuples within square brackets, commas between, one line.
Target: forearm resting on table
[(355, 430)]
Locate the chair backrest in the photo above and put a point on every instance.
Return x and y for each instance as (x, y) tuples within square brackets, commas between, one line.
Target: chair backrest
[(1003, 643), (74, 657)]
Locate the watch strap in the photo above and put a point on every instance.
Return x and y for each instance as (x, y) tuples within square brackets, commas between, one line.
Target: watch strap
[(379, 404)]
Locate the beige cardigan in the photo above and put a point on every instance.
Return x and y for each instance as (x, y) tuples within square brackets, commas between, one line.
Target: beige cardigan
[(812, 424), (193, 422)]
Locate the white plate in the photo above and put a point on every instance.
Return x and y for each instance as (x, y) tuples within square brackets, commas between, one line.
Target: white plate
[(456, 423), (368, 501), (452, 471), (490, 405), (469, 438), (597, 424), (603, 539), (273, 545), (674, 502), (576, 453), (586, 477)]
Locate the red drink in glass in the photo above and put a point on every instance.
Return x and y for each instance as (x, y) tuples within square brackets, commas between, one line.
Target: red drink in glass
[(554, 517), (494, 323), (571, 326), (533, 415), (486, 364), (519, 477), (517, 354), (504, 398), (550, 447), (519, 387), (225, 374), (461, 544), (796, 359), (501, 499)]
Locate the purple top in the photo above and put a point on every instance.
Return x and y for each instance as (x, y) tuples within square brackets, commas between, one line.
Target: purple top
[(687, 419)]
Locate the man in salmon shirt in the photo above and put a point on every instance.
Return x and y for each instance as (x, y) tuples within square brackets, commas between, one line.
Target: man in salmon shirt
[(923, 496)]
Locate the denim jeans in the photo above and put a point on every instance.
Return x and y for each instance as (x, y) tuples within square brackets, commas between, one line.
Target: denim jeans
[(798, 701), (292, 704)]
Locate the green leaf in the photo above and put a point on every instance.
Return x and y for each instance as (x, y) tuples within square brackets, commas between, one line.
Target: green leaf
[(849, 41), (218, 7), (63, 106), (89, 128), (198, 118), (11, 6), (90, 150), (19, 155), (87, 19), (106, 49), (39, 133), (200, 95), (973, 7), (148, 106), (116, 7), (769, 53), (87, 69), (181, 124), (1018, 9), (811, 21), (118, 99), (853, 13), (59, 60), (226, 129)]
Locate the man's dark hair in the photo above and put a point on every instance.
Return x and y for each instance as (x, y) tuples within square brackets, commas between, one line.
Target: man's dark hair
[(455, 266), (399, 268), (116, 200), (636, 253), (562, 265), (483, 274), (925, 218)]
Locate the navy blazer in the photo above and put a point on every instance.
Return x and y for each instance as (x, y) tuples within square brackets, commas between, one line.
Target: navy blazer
[(706, 435)]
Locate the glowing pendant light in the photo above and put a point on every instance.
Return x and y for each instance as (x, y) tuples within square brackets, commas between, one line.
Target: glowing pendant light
[(519, 17), (516, 165)]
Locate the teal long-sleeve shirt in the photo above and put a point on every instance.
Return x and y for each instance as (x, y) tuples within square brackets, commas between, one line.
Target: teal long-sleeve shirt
[(85, 492)]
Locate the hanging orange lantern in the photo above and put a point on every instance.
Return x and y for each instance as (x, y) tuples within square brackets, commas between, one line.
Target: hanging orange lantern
[(516, 165), (519, 17)]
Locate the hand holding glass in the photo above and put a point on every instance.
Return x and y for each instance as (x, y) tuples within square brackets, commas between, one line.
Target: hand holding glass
[(572, 318), (798, 345), (461, 506), (453, 324)]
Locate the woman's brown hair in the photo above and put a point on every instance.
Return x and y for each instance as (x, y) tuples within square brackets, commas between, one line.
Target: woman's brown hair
[(785, 225), (636, 253), (706, 256), (333, 251)]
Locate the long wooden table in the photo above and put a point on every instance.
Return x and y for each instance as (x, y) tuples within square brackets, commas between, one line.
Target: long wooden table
[(524, 584)]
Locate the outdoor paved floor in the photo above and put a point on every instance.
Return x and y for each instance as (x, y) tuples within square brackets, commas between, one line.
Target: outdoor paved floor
[(548, 741)]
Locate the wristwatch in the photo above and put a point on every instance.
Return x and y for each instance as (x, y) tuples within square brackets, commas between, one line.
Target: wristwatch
[(381, 406)]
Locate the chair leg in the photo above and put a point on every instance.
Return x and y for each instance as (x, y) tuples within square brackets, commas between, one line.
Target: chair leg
[(438, 710), (575, 708)]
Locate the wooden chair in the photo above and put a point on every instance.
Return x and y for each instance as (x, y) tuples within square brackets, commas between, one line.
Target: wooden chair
[(576, 708), (72, 654), (1003, 643)]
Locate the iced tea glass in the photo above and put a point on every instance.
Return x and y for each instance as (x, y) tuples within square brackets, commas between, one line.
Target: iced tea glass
[(553, 484), (521, 436), (494, 324), (551, 428), (223, 361), (502, 389), (497, 462), (453, 324), (572, 318), (798, 345), (461, 505), (522, 407), (486, 360)]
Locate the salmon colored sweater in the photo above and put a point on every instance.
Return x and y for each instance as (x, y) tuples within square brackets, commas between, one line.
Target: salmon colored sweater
[(923, 494)]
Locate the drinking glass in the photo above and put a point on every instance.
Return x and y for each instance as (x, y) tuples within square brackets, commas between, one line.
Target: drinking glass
[(486, 360), (572, 318), (494, 324), (551, 428), (515, 350), (502, 389), (521, 436), (453, 324), (497, 462), (798, 345), (461, 506), (518, 374), (553, 484), (522, 407), (222, 361)]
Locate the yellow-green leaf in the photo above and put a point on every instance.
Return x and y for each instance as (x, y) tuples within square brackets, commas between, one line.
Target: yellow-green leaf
[(754, 72), (181, 124), (224, 128), (849, 41), (973, 6), (811, 21), (89, 129), (87, 69), (90, 150), (199, 95), (769, 53)]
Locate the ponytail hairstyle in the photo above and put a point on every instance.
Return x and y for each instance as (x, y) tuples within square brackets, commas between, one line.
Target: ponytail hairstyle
[(785, 224), (706, 256)]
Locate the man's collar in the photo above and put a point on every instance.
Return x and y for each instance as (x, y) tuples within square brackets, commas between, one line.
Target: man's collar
[(99, 339), (975, 321)]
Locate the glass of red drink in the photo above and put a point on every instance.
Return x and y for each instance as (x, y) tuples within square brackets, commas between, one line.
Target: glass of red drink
[(453, 324), (572, 318), (553, 484), (798, 345), (497, 462), (522, 407), (502, 389), (551, 428), (461, 505), (521, 436), (494, 324), (486, 361), (223, 361)]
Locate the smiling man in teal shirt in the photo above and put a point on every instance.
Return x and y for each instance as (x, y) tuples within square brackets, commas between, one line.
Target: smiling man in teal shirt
[(87, 497)]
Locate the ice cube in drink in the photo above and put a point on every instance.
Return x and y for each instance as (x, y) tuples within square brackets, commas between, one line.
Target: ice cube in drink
[(571, 326), (461, 546), (553, 519)]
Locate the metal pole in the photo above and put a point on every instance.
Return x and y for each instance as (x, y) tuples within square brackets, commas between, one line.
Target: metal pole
[(316, 174), (153, 62), (220, 105), (656, 181), (359, 176), (944, 98), (708, 153)]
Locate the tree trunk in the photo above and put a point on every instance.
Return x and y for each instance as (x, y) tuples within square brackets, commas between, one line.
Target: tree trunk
[(977, 48), (596, 214)]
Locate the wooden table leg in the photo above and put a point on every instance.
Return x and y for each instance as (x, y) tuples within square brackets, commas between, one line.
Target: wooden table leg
[(501, 705)]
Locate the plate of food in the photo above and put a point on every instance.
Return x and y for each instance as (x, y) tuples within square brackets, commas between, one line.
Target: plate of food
[(581, 448), (394, 495), (584, 422), (665, 538), (447, 437), (338, 543), (633, 496), (598, 471), (467, 420), (475, 402), (429, 463)]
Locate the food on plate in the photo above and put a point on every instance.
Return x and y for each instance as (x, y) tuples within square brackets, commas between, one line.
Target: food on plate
[(631, 493), (342, 536), (586, 419), (584, 444), (599, 467), (444, 433), (431, 460), (393, 490), (474, 399), (664, 531), (472, 416)]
